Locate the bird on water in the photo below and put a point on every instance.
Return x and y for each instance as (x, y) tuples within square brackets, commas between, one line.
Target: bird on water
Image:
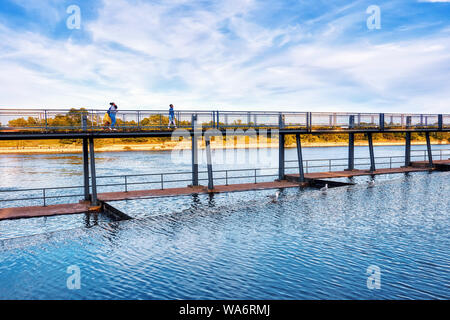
[(275, 197), (324, 189)]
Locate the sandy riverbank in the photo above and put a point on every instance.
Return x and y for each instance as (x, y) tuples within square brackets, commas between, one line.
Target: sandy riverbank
[(168, 146)]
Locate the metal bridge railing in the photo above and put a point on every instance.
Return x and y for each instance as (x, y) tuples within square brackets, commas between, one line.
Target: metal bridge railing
[(54, 119), (127, 183)]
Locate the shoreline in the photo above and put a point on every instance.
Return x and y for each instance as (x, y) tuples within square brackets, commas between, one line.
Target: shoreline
[(184, 146)]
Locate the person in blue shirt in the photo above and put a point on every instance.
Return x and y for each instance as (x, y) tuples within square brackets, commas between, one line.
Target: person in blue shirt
[(171, 117), (112, 114)]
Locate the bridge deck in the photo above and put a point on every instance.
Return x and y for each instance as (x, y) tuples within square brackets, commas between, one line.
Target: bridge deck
[(355, 173), (422, 164), (38, 211), (83, 123), (114, 196)]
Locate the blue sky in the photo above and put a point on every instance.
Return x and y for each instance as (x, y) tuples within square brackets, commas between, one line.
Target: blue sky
[(234, 55)]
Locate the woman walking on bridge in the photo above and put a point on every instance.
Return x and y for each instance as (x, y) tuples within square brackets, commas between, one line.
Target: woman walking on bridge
[(112, 114)]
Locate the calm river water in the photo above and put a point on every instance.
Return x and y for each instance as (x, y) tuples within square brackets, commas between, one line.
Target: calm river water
[(230, 246)]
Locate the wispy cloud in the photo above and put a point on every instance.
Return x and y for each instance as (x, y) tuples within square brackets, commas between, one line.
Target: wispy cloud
[(228, 54)]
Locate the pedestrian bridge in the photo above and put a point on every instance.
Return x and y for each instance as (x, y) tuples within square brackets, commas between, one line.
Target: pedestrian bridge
[(88, 126), (47, 123)]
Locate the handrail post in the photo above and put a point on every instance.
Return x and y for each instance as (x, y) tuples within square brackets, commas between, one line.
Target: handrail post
[(217, 119), (139, 120), (126, 186), (440, 122), (351, 121), (408, 122), (255, 176), (162, 181), (381, 124), (280, 121), (84, 122), (43, 195), (309, 121), (45, 115)]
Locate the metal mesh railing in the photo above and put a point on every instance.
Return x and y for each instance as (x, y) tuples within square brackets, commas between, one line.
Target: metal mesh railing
[(43, 120)]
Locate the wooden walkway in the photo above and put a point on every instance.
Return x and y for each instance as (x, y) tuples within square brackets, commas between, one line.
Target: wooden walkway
[(82, 207), (38, 211), (355, 173), (115, 196)]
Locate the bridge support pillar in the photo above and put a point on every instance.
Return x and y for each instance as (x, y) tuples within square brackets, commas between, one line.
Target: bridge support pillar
[(408, 149), (194, 152), (301, 177), (86, 168), (372, 154), (209, 163), (351, 144), (430, 155), (281, 157), (94, 201), (351, 152)]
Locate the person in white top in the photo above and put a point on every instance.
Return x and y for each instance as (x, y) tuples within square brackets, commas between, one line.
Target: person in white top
[(112, 114)]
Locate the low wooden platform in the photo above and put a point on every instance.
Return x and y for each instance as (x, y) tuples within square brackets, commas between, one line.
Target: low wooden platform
[(37, 211), (439, 165), (115, 196), (354, 173), (62, 209)]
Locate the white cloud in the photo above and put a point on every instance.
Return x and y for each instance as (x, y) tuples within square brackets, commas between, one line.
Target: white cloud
[(201, 57)]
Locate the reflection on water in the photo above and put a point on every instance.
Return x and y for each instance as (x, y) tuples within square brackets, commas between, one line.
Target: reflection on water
[(232, 246)]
